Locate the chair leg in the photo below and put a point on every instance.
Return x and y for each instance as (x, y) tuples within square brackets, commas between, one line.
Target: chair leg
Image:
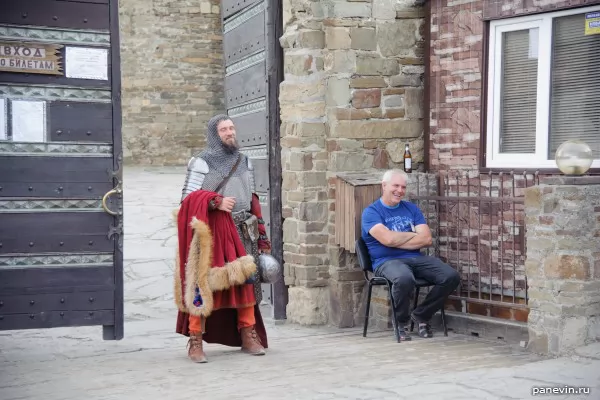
[(367, 309), (412, 323), (444, 322), (394, 322)]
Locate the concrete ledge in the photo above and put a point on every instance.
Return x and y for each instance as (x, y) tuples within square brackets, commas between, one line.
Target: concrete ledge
[(570, 180), (512, 332)]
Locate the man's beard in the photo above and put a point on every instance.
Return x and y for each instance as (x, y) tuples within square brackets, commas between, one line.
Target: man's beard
[(231, 147)]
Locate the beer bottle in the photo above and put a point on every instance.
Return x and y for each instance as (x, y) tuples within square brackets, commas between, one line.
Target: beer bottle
[(407, 160)]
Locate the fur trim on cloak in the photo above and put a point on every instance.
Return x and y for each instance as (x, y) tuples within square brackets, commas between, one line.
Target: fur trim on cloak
[(199, 272)]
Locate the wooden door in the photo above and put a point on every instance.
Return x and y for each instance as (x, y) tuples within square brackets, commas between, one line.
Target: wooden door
[(253, 72), (61, 243)]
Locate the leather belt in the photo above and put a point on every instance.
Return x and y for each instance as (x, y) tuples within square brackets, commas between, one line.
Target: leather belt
[(240, 216)]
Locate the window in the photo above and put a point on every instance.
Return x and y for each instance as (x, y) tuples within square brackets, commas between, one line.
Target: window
[(543, 88)]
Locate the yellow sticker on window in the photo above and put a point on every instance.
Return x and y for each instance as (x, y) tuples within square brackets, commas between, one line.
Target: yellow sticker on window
[(592, 23)]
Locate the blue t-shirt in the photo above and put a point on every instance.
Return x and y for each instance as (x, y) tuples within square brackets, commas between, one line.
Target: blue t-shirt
[(402, 218)]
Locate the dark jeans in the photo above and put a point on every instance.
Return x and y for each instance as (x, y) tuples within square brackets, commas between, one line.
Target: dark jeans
[(402, 274)]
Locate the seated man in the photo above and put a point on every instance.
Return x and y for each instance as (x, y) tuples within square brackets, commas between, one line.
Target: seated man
[(394, 231)]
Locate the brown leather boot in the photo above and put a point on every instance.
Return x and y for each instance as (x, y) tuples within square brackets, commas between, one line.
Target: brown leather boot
[(195, 351), (251, 343)]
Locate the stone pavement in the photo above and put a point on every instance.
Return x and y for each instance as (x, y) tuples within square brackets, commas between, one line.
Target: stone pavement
[(302, 363)]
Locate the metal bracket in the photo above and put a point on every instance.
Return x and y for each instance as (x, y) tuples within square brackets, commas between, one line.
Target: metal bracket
[(118, 173), (117, 227)]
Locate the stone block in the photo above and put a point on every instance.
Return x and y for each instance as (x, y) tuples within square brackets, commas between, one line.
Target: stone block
[(375, 65), (392, 113), (338, 91), (406, 80), (574, 333), (349, 114), (310, 39), (366, 98), (303, 129), (532, 267), (308, 306), (399, 37), (538, 341), (533, 197), (381, 159), (300, 111), (342, 161), (289, 180), (367, 82), (293, 92), (410, 13), (305, 272), (540, 244), (312, 179), (340, 22), (363, 38), (384, 9), (594, 328), (313, 211), (550, 205), (567, 267), (342, 303), (377, 129), (393, 91), (393, 101), (343, 145), (298, 64), (337, 38), (300, 161), (205, 7), (413, 99), (344, 9), (340, 61)]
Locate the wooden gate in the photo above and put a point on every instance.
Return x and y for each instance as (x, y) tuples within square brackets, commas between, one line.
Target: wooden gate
[(61, 244), (253, 71)]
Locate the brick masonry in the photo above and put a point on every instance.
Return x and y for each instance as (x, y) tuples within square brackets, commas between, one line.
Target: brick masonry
[(172, 77), (456, 73), (456, 76)]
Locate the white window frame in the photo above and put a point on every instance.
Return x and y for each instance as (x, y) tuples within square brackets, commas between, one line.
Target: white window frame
[(539, 159)]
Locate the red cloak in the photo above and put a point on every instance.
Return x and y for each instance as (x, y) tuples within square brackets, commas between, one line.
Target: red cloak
[(212, 258)]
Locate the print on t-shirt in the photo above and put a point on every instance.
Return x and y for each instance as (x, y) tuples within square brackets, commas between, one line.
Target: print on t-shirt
[(400, 224)]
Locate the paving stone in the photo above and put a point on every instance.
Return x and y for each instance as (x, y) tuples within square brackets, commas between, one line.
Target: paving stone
[(322, 363)]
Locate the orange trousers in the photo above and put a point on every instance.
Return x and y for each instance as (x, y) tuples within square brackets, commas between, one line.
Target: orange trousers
[(245, 319)]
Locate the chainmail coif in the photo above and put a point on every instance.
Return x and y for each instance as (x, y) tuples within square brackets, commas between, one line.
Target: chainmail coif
[(220, 160)]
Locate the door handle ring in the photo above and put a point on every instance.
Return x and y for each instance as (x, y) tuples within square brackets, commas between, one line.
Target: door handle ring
[(105, 198)]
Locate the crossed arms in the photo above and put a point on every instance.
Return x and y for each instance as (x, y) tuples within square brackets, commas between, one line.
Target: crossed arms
[(403, 240)]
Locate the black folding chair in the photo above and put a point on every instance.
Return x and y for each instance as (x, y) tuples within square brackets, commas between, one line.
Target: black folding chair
[(365, 263)]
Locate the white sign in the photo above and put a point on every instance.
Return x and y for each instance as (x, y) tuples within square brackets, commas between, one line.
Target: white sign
[(86, 63), (2, 119), (28, 121)]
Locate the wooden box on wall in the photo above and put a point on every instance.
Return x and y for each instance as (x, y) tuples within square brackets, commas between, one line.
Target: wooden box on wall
[(353, 193)]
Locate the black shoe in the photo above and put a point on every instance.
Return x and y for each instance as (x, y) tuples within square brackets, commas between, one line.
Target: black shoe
[(423, 328), (403, 334)]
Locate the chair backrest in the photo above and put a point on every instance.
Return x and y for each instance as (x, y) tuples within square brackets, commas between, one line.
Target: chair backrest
[(362, 252)]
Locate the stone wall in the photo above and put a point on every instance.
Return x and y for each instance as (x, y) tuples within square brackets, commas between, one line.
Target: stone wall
[(563, 263), (352, 96), (172, 75)]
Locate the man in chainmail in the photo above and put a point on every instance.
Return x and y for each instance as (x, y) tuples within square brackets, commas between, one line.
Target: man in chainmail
[(222, 177)]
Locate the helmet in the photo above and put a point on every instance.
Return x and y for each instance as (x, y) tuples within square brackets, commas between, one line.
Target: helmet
[(269, 268)]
